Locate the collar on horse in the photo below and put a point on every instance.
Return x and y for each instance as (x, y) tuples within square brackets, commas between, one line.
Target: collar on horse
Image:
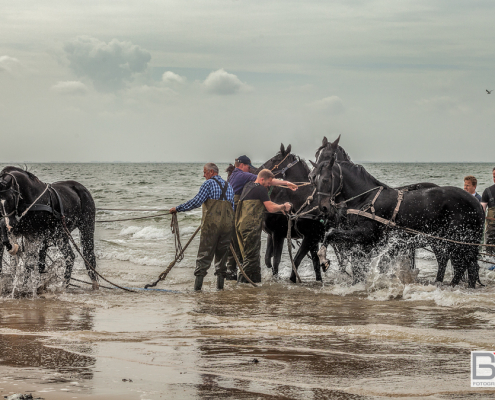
[(34, 206)]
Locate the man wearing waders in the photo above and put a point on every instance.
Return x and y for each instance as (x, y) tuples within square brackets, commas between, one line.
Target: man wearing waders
[(217, 199), (488, 201), (253, 202), (238, 179)]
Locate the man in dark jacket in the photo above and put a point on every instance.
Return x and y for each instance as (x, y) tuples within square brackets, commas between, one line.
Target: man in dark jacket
[(488, 203)]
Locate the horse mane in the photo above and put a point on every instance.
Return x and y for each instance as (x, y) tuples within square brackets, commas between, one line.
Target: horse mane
[(10, 169), (361, 171), (340, 150)]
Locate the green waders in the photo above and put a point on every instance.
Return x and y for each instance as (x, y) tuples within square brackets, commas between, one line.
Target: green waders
[(231, 263), (248, 225), (490, 223), (216, 232)]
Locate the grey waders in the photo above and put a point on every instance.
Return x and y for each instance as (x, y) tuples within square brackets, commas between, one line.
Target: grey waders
[(231, 263), (216, 232), (248, 225)]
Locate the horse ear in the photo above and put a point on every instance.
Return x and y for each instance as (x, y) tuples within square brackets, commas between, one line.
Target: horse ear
[(313, 163), (324, 142), (282, 149), (288, 149), (336, 143)]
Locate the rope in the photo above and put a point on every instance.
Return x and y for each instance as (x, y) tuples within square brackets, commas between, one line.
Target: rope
[(174, 227), (289, 245), (89, 283), (240, 266), (132, 219), (67, 232), (164, 274), (34, 202), (129, 209)]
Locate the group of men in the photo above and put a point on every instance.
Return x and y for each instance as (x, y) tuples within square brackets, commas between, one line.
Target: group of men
[(232, 219), (487, 201)]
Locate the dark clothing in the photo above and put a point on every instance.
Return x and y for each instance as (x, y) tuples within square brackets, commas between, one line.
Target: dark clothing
[(489, 196), (258, 192), (216, 232), (248, 225), (478, 197), (238, 180)]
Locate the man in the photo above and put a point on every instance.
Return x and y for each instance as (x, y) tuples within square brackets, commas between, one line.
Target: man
[(238, 179), (487, 201), (217, 199), (470, 183), (253, 202)]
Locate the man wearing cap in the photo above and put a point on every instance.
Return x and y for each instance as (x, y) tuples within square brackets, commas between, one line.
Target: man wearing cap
[(238, 179), (216, 197)]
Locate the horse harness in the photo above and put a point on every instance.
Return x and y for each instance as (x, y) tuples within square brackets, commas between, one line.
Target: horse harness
[(50, 207)]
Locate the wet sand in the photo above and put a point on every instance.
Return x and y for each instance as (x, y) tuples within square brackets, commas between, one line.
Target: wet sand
[(309, 343)]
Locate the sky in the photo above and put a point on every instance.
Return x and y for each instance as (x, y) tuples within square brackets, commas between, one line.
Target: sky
[(208, 81)]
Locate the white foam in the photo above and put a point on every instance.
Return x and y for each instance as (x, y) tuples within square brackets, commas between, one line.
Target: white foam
[(147, 232)]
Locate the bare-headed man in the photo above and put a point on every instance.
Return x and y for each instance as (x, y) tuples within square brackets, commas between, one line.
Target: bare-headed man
[(217, 199), (470, 183), (253, 202)]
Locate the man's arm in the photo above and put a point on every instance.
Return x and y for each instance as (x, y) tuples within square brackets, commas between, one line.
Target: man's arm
[(272, 207), (279, 182), (196, 201), (484, 206)]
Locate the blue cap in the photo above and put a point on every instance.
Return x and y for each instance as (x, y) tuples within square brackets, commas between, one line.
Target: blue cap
[(244, 160)]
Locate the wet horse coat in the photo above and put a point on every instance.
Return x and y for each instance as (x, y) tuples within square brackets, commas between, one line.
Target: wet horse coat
[(35, 210)]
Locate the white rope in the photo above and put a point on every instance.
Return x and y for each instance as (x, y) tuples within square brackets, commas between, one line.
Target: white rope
[(34, 202)]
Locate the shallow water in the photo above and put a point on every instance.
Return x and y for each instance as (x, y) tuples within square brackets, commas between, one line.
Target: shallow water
[(380, 339)]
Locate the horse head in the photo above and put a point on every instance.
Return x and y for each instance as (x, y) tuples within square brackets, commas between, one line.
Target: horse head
[(9, 198), (326, 181), (279, 160)]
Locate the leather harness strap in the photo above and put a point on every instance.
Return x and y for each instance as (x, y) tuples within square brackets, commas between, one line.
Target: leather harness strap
[(389, 222)]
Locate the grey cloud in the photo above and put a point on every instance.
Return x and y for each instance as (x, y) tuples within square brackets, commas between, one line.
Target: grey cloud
[(70, 87), (109, 65), (171, 77), (8, 63), (332, 104), (223, 83)]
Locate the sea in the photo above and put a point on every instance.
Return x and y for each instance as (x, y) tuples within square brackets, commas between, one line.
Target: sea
[(384, 338)]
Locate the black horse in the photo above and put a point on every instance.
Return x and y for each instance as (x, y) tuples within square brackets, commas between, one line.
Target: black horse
[(38, 212), (324, 153), (446, 212), (290, 167)]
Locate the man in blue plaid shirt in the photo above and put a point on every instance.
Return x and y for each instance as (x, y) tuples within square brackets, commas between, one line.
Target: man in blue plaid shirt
[(217, 199)]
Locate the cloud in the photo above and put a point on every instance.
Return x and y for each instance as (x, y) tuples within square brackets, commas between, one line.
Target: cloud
[(331, 104), (109, 65), (170, 77), (7, 63), (443, 104), (223, 83), (70, 87)]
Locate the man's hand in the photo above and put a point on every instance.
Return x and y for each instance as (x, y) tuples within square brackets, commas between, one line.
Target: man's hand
[(173, 210), (287, 207), (291, 186)]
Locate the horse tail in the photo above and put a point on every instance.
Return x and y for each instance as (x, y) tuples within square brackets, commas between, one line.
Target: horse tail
[(86, 226)]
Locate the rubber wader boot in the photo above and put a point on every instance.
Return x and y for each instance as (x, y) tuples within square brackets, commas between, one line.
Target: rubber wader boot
[(220, 281), (198, 283)]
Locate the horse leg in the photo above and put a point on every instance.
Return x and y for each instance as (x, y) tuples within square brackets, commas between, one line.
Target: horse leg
[(1, 257), (278, 245), (42, 257), (301, 253), (313, 249), (465, 258), (88, 245), (442, 257), (64, 246), (269, 251)]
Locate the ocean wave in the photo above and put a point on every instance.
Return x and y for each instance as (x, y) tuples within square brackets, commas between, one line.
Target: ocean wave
[(147, 232)]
